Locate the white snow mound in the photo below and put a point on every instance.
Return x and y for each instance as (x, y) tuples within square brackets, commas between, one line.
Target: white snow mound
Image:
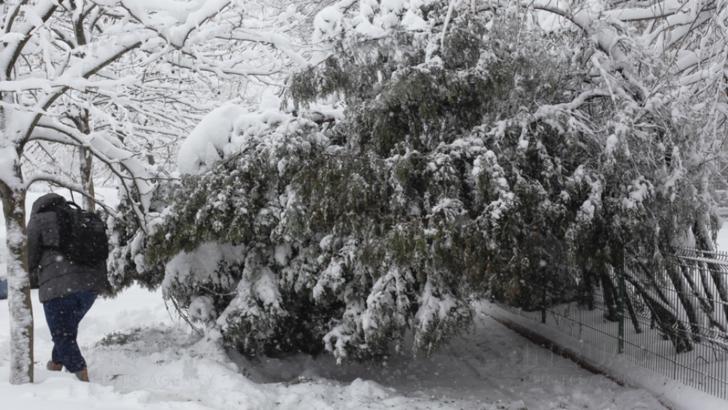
[(223, 132)]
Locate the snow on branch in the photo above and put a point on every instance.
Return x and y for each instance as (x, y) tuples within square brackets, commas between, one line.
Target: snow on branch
[(178, 35), (546, 111), (35, 17), (84, 69), (63, 182), (158, 21), (277, 40), (41, 133), (194, 62), (12, 15), (654, 11), (602, 34), (679, 26), (344, 5), (34, 84), (114, 157), (54, 179)]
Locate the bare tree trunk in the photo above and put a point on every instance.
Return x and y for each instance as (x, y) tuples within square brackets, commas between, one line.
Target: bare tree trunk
[(611, 294), (21, 309), (685, 299), (705, 242), (87, 180), (586, 290), (610, 297), (704, 301), (632, 313), (668, 322), (86, 160), (12, 194)]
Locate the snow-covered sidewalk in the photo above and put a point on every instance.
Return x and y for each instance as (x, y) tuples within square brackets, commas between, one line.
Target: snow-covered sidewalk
[(141, 358)]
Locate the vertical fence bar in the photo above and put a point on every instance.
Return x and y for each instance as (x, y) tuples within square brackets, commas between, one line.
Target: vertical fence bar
[(622, 294), (544, 295)]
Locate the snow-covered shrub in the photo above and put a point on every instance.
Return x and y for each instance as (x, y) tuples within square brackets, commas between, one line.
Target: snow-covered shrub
[(127, 261), (464, 165), (355, 238)]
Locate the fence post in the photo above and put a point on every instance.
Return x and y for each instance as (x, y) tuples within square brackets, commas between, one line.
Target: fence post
[(622, 294), (544, 293)]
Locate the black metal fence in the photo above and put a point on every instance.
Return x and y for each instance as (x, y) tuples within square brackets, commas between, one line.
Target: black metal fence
[(673, 322)]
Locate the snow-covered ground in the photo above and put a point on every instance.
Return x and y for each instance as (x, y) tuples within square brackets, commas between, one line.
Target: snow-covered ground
[(140, 357), (600, 353)]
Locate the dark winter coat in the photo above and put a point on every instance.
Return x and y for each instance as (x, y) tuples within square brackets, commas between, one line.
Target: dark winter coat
[(56, 275)]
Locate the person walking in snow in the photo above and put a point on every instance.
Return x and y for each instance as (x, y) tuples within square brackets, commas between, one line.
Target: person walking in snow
[(67, 288)]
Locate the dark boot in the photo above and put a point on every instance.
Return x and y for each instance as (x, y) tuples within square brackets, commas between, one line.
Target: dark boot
[(82, 375), (53, 366)]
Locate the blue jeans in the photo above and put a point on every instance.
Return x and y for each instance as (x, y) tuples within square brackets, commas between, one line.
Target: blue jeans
[(63, 316)]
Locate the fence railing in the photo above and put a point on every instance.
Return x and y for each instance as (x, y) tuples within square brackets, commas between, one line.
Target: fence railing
[(674, 322)]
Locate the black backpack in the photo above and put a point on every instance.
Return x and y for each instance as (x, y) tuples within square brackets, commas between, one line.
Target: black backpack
[(82, 235)]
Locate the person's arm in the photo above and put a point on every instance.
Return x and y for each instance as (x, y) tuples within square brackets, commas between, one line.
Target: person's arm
[(34, 249)]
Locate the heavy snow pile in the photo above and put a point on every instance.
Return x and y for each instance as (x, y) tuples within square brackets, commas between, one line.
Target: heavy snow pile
[(224, 132), (374, 20)]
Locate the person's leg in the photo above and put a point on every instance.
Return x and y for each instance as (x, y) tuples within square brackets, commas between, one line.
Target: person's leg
[(85, 301), (54, 364), (58, 311), (63, 316), (82, 302), (55, 356)]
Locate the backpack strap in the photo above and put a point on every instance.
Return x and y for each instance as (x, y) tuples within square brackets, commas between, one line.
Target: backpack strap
[(56, 210)]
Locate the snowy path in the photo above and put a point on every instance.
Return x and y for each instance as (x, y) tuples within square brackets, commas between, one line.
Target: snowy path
[(153, 362)]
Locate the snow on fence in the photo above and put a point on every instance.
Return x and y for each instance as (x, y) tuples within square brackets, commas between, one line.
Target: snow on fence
[(691, 348)]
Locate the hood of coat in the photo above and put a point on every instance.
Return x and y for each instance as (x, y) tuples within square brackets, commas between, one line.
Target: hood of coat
[(47, 202)]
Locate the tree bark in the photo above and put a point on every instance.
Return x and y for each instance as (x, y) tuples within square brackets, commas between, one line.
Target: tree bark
[(668, 322), (612, 309), (86, 159), (683, 294), (705, 242), (83, 124), (87, 180), (704, 301), (610, 298), (586, 290), (19, 302), (632, 313)]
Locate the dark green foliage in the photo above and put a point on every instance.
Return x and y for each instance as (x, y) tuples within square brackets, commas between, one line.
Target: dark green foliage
[(443, 182), (388, 226), (128, 245)]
